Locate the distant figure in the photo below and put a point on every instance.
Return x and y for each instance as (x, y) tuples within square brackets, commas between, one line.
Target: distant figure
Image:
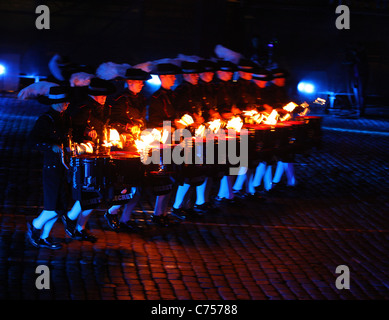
[(356, 58)]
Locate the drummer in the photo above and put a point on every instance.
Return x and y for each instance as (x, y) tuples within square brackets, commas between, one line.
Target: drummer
[(129, 108), (263, 172), (128, 111), (226, 102), (88, 120), (246, 100), (208, 89), (49, 135), (189, 101), (162, 107), (261, 79), (278, 98), (246, 88)]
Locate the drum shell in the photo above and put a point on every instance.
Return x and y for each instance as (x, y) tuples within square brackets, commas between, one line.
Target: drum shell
[(297, 137), (262, 143), (89, 180), (126, 171), (313, 130), (89, 173)]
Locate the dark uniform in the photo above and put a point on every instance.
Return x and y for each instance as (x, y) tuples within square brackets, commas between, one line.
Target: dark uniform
[(86, 116), (262, 94), (277, 96), (188, 99), (225, 90), (128, 108), (50, 129), (208, 97), (161, 107), (262, 97), (246, 93), (225, 95), (245, 88), (208, 89)]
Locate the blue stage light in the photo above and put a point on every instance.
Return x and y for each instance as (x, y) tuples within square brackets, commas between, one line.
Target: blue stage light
[(154, 80), (2, 69), (306, 87)]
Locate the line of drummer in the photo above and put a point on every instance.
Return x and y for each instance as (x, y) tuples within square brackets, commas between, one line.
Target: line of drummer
[(114, 175)]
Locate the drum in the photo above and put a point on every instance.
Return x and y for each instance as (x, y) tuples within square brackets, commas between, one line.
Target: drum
[(262, 142), (90, 172), (193, 170), (125, 171), (159, 175), (297, 136), (89, 179), (126, 168), (313, 130)]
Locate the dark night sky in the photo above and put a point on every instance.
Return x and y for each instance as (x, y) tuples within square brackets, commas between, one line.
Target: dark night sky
[(92, 32)]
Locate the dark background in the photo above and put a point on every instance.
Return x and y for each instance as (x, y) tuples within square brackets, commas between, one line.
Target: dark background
[(308, 42)]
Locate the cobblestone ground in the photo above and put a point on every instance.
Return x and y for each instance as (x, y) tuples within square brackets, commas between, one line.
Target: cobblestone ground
[(286, 248)]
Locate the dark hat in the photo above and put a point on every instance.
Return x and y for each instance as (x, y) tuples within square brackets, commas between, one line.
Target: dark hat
[(191, 67), (100, 87), (57, 94), (208, 65), (279, 73), (226, 66), (137, 74), (246, 65), (262, 74), (166, 68)]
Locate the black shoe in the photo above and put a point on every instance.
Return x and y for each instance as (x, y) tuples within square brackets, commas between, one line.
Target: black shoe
[(240, 194), (179, 213), (33, 234), (70, 225), (161, 220), (192, 213), (112, 220), (49, 244), (84, 235), (229, 202), (257, 196), (205, 208), (220, 201), (128, 226)]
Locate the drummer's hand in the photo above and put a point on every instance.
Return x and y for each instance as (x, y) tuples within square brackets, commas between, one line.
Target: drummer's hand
[(56, 148), (198, 119), (227, 115), (268, 108), (92, 134), (178, 124), (214, 114), (235, 110)]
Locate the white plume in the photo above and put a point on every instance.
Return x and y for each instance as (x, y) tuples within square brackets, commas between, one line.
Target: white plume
[(36, 89), (111, 70), (145, 66), (227, 54), (176, 62), (54, 68), (80, 79), (184, 57)]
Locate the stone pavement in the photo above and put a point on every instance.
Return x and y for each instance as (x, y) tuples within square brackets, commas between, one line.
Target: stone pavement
[(286, 248)]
